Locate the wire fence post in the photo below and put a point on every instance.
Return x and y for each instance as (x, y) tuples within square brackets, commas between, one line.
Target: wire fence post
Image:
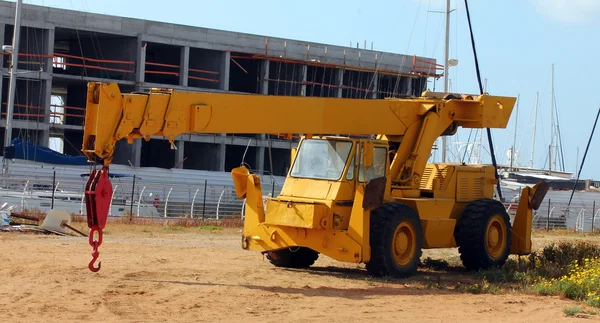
[(132, 196), (167, 201), (53, 189), (204, 199), (593, 214), (548, 221)]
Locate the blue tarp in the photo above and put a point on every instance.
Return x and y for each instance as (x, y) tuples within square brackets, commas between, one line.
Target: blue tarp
[(26, 150)]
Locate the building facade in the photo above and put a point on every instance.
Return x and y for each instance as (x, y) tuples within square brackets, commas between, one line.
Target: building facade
[(61, 50)]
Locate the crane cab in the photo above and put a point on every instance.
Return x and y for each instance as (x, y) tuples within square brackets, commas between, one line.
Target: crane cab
[(319, 190)]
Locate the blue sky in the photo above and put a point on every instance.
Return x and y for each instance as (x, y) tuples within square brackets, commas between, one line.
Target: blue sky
[(517, 42)]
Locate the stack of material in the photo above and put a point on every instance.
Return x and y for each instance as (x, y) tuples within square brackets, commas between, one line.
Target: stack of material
[(55, 222)]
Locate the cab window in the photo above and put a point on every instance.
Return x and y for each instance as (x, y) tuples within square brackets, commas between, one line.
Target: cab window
[(379, 165), (350, 172)]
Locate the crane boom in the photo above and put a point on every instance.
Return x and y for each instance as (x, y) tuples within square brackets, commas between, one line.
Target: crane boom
[(111, 115)]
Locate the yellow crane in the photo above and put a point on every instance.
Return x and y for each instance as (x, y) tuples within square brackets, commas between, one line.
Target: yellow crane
[(375, 201)]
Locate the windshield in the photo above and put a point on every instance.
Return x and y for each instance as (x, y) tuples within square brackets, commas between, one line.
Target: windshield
[(321, 159)]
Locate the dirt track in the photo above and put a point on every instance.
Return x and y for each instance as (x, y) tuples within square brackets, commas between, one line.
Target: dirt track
[(155, 275)]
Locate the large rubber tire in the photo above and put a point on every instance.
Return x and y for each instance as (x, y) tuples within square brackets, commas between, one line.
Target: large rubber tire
[(483, 235), (396, 239), (301, 257)]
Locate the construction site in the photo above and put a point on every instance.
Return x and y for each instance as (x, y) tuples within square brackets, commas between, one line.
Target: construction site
[(63, 50), (222, 176)]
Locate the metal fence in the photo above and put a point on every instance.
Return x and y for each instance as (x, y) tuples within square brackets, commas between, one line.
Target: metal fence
[(205, 199), (579, 218), (130, 196)]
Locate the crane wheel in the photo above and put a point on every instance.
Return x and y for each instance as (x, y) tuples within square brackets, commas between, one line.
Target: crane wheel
[(483, 235), (396, 239), (300, 257)]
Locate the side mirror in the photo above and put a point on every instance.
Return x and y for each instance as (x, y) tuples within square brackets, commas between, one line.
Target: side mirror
[(368, 149)]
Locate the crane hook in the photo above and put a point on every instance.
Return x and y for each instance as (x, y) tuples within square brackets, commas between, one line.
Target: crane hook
[(95, 254), (95, 244)]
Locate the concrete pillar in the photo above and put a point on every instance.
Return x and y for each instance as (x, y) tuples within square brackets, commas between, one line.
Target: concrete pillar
[(46, 103), (141, 61), (184, 66), (2, 31), (136, 153), (375, 85), (225, 66), (340, 82), (409, 88), (49, 50), (304, 77), (260, 155), (1, 98), (180, 153), (224, 77), (264, 76), (222, 152)]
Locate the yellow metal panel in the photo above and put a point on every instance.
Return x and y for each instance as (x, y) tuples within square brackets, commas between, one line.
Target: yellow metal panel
[(132, 115), (438, 233), (335, 244), (154, 116), (469, 186), (427, 178), (436, 177), (430, 208), (200, 117), (485, 111), (102, 121), (296, 214), (307, 188), (359, 226)]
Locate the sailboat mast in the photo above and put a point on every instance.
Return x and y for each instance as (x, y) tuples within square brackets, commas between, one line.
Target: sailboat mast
[(13, 75), (537, 94), (446, 59), (551, 124), (512, 151), (14, 62)]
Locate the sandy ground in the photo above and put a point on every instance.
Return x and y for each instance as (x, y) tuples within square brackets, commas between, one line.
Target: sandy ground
[(150, 274)]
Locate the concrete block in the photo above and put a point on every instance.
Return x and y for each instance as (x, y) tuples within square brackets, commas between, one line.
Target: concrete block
[(161, 30)]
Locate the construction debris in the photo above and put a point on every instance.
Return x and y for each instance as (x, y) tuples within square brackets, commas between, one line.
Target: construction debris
[(55, 222)]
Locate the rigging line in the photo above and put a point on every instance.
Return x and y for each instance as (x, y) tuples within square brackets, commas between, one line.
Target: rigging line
[(467, 147), (528, 122), (322, 88), (489, 132), (584, 155), (271, 159), (559, 134), (94, 40), (372, 83), (437, 35), (562, 156), (473, 145), (293, 79), (80, 47), (331, 79), (408, 46), (426, 25), (278, 76)]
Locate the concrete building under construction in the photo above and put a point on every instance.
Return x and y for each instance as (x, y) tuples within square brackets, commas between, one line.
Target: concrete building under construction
[(61, 50)]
